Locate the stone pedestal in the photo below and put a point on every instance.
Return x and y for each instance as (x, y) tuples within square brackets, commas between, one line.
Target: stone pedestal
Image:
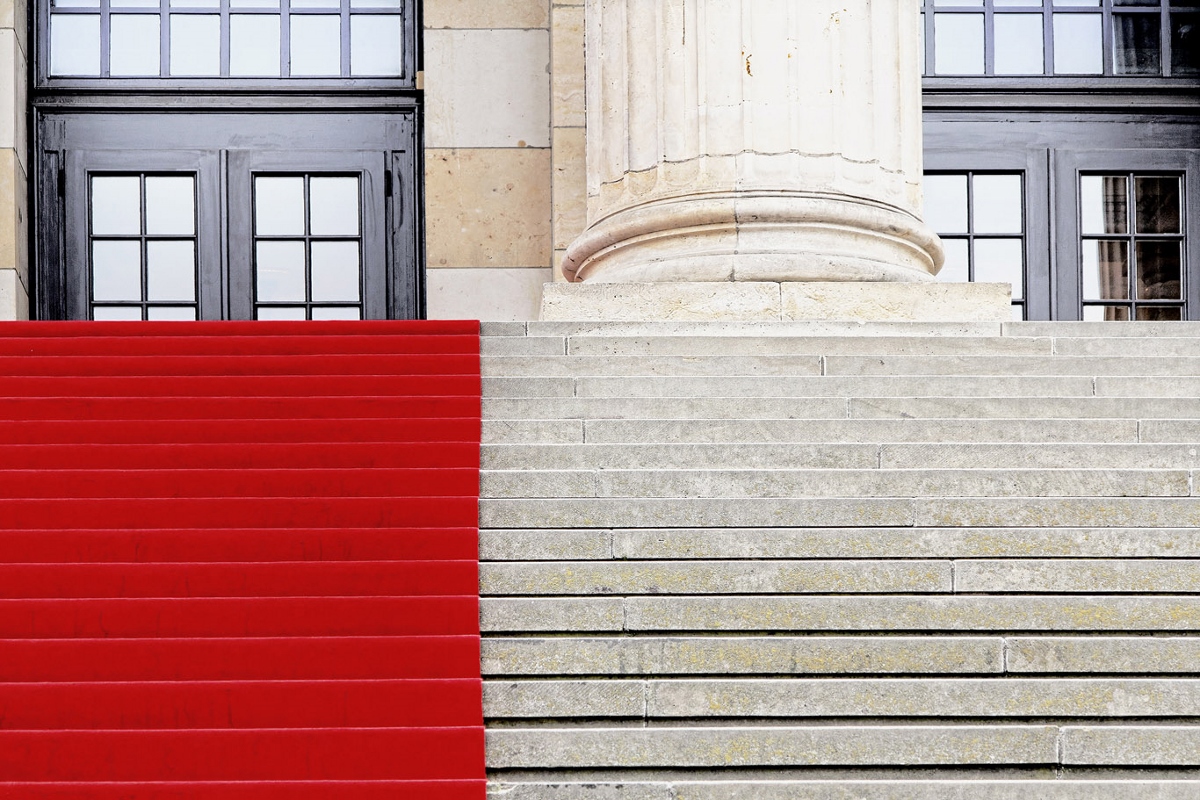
[(753, 140)]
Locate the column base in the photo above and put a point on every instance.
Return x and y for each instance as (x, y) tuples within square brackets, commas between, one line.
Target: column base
[(787, 301)]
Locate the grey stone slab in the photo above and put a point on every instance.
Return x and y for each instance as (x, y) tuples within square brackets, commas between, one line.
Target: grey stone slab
[(607, 512), (519, 431), (839, 386), (683, 456), (1104, 654), (559, 699), (916, 613), (1039, 456), (1134, 745), (512, 614), (766, 328), (691, 408), (806, 345), (907, 745), (1181, 386), (541, 545), (857, 483), (1152, 346), (1025, 407), (861, 431), (523, 346), (907, 543), (487, 328), (542, 367), (714, 577), (1072, 512), (1102, 330), (744, 655), (1175, 576), (748, 698), (1180, 431), (528, 387), (1010, 365), (590, 790), (938, 789)]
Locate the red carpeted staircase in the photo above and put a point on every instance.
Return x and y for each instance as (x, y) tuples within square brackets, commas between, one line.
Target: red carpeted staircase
[(239, 561)]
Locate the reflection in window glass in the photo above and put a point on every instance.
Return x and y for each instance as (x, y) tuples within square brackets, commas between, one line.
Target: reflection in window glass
[(1137, 44), (334, 206), (1185, 44), (316, 45), (958, 44), (170, 206), (998, 204), (1019, 45), (376, 45), (116, 206), (1158, 204), (1159, 271), (74, 44), (1105, 204), (134, 45), (279, 271), (279, 206), (946, 203), (171, 271), (1077, 44), (195, 45), (1001, 261), (1105, 271), (116, 271), (335, 272), (254, 45)]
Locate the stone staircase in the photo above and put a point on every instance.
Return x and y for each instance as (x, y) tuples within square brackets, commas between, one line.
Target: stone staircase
[(828, 560)]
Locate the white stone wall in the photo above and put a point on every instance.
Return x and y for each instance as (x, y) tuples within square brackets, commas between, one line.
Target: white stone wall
[(489, 157), (14, 163)]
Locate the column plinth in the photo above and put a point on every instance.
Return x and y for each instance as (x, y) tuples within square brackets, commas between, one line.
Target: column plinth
[(753, 140)]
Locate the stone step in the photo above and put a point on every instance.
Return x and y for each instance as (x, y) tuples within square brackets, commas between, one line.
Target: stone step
[(809, 386), (836, 543), (1131, 785), (753, 655), (849, 483), (996, 512), (1090, 576), (1011, 365), (939, 430), (1029, 407), (841, 456), (543, 367), (698, 408), (726, 747), (766, 328), (684, 456), (1102, 654), (516, 431), (850, 613), (801, 698), (714, 577), (1103, 330), (809, 345)]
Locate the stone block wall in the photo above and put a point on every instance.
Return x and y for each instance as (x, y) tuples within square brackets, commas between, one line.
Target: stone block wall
[(504, 151), (14, 163)]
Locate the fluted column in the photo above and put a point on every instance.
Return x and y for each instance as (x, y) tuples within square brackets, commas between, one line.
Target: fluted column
[(754, 140)]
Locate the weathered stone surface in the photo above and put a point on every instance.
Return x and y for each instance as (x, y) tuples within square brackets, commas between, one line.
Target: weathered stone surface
[(489, 329), (714, 577), (928, 613), (906, 543), (1120, 512), (564, 614), (681, 456), (1026, 407), (863, 431), (657, 512), (1111, 654), (522, 346), (496, 14), (1182, 386), (701, 345), (895, 697), (535, 545), (1091, 576), (1142, 746), (495, 388), (690, 408), (743, 655), (499, 431), (1048, 456), (534, 366), (747, 747), (836, 386), (609, 699), (738, 328), (575, 302), (453, 293), (1010, 365), (1121, 330), (897, 301)]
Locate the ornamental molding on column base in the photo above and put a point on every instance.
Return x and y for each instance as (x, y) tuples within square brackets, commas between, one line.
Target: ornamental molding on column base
[(762, 236)]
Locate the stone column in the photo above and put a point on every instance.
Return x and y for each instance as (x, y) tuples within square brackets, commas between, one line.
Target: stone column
[(753, 140)]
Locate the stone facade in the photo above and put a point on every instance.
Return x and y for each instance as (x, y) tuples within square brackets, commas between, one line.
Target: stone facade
[(14, 162)]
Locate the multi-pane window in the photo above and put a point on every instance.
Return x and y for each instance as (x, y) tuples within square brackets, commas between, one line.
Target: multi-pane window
[(142, 247), (980, 218), (1133, 247), (1062, 37), (307, 247), (226, 38)]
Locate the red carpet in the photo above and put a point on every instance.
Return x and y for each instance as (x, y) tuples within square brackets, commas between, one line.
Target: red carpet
[(239, 561)]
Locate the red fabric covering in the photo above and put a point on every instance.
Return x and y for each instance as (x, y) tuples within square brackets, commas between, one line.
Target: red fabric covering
[(239, 561)]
